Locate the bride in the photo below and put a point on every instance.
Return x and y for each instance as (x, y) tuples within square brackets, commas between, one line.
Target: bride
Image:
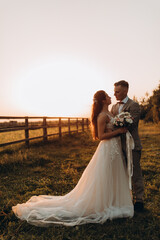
[(103, 190)]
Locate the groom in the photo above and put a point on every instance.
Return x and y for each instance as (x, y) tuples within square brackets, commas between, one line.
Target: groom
[(128, 105)]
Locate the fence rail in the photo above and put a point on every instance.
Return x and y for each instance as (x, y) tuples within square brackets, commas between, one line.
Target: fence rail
[(26, 124)]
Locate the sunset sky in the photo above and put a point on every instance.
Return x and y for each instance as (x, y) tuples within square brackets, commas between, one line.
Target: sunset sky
[(55, 54)]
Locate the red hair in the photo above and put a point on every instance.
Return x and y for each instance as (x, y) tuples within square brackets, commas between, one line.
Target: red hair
[(97, 105)]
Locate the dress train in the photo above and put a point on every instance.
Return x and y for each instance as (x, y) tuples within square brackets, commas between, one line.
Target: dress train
[(102, 193)]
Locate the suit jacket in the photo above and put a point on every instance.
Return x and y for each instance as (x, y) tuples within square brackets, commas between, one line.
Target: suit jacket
[(134, 109)]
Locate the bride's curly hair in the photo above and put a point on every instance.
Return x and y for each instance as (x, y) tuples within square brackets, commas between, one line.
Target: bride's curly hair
[(97, 105)]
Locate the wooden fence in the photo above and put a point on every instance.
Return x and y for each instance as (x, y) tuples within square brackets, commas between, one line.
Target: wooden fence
[(10, 124)]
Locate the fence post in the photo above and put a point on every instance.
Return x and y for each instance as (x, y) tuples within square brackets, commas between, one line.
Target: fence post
[(26, 131), (87, 122), (60, 128), (44, 129), (77, 125), (82, 124), (69, 129)]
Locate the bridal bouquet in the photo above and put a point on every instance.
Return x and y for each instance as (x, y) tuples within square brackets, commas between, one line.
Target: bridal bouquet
[(123, 119)]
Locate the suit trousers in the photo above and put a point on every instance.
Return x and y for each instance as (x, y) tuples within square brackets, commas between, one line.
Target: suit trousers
[(137, 179)]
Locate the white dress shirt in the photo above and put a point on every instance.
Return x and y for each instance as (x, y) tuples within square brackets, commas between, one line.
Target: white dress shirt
[(121, 105)]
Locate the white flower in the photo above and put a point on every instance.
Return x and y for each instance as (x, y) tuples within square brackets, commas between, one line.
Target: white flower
[(129, 120), (121, 119)]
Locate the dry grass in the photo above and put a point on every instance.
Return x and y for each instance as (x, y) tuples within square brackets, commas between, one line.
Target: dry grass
[(149, 129), (6, 137), (55, 168)]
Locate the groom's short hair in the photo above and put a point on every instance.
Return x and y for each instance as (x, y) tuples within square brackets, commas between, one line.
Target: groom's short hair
[(122, 83)]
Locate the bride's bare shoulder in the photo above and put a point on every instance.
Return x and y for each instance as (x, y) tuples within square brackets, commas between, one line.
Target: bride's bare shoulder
[(103, 116)]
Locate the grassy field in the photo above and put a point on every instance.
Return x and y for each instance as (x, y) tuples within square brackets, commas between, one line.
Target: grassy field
[(6, 137), (54, 168)]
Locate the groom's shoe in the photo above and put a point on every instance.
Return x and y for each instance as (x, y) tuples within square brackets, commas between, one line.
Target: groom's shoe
[(139, 206)]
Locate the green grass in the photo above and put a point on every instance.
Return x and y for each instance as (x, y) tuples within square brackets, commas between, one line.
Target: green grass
[(55, 168)]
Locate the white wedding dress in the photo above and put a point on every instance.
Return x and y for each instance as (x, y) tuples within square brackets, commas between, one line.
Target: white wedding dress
[(102, 193)]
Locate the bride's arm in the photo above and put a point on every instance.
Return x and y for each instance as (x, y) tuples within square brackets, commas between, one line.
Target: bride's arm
[(101, 124)]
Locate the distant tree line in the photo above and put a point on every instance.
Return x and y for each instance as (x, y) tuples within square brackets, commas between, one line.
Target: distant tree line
[(150, 106)]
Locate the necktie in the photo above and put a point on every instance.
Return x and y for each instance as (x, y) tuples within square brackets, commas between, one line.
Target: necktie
[(120, 102)]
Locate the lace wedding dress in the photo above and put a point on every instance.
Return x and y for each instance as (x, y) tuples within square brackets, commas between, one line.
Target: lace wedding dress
[(102, 193)]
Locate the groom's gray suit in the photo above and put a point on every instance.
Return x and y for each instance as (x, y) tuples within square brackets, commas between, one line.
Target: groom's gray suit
[(134, 109)]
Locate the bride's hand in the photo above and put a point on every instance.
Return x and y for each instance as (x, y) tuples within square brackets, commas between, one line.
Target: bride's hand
[(123, 130)]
